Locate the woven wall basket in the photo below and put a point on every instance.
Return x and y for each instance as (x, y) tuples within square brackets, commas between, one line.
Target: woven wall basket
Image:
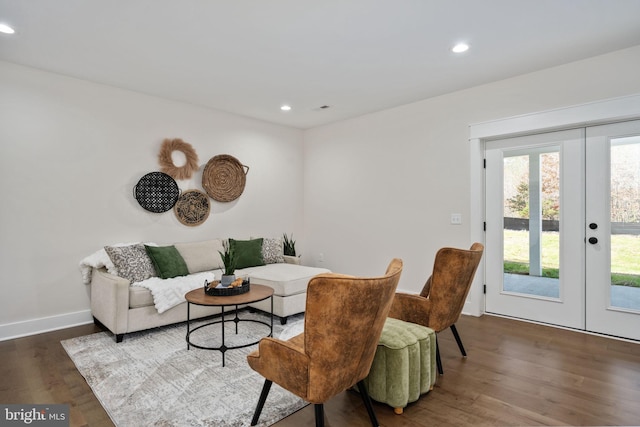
[(224, 178), (156, 192), (192, 208)]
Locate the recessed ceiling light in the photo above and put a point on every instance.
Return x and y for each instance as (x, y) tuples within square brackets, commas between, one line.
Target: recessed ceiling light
[(460, 47), (4, 28), (285, 108)]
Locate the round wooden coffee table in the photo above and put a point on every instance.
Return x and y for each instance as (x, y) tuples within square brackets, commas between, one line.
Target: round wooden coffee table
[(198, 297)]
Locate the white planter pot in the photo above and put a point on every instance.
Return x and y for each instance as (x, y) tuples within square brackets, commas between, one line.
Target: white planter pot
[(226, 280)]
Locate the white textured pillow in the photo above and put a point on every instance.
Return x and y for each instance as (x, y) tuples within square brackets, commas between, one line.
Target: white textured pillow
[(201, 256), (272, 250)]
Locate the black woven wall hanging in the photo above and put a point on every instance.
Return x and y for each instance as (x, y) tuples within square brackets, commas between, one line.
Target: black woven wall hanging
[(156, 192)]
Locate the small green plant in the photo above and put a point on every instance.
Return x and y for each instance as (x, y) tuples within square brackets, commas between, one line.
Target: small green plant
[(289, 245), (228, 259)]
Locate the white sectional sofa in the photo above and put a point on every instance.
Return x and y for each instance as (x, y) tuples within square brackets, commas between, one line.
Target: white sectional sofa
[(132, 291)]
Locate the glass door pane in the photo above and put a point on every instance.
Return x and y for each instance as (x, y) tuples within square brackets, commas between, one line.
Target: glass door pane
[(532, 222), (625, 223)]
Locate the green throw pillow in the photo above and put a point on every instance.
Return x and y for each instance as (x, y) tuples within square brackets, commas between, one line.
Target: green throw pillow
[(167, 261), (247, 253)]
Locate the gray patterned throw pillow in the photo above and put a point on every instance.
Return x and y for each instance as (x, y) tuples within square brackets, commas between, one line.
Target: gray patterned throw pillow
[(132, 262), (272, 251)]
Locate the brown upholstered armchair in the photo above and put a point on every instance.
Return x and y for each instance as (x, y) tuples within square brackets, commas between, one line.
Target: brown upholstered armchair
[(441, 301), (342, 326)]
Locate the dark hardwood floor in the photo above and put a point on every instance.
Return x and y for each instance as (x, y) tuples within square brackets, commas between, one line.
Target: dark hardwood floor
[(516, 374)]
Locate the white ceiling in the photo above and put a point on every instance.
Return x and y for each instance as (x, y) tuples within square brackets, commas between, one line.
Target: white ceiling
[(357, 56)]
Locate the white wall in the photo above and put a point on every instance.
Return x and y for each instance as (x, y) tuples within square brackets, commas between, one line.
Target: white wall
[(384, 185), (372, 188), (70, 154)]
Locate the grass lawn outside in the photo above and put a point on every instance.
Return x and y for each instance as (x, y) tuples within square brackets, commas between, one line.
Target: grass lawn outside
[(625, 256)]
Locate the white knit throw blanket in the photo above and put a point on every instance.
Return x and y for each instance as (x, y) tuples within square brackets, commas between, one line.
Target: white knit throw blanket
[(168, 293)]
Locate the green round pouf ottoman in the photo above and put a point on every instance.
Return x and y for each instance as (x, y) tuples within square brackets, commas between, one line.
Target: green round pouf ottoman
[(404, 367)]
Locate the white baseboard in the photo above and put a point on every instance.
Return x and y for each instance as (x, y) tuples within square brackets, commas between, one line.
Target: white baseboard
[(44, 324), (471, 309)]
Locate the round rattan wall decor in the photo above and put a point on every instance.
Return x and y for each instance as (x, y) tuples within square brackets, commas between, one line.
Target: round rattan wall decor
[(166, 161), (156, 192), (192, 208), (224, 178)]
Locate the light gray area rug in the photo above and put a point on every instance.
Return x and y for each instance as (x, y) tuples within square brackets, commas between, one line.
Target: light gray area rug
[(151, 379)]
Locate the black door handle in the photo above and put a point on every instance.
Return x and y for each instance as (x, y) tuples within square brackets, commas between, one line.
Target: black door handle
[(593, 240)]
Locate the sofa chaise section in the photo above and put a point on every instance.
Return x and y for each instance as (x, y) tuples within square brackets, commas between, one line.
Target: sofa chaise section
[(289, 283)]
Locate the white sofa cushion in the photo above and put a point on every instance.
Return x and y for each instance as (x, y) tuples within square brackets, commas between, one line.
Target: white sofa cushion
[(285, 279), (201, 256), (139, 297)]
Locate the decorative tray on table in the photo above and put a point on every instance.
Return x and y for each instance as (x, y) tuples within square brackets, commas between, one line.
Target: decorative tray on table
[(239, 286)]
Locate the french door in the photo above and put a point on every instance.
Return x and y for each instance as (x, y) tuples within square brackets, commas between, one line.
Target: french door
[(563, 228)]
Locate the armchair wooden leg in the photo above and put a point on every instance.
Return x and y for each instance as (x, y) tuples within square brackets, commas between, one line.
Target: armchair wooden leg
[(367, 403), (438, 360), (458, 340), (263, 397), (319, 410)]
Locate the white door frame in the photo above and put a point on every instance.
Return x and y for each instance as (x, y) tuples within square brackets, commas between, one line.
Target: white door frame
[(595, 113)]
